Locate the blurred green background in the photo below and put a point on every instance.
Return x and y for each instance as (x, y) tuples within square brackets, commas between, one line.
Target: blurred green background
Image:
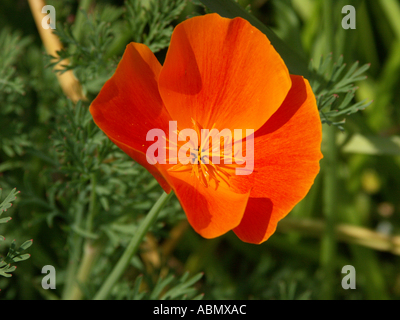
[(52, 153)]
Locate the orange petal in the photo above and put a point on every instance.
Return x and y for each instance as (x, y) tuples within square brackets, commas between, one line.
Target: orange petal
[(287, 153), (129, 105), (211, 212), (224, 72)]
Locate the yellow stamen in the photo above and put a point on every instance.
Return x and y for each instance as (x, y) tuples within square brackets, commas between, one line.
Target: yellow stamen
[(200, 164)]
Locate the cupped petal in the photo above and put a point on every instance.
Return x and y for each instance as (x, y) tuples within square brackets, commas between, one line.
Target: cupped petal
[(222, 71), (210, 211), (287, 154), (129, 105)]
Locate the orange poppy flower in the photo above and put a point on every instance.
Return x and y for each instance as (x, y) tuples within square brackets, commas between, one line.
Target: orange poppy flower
[(224, 74)]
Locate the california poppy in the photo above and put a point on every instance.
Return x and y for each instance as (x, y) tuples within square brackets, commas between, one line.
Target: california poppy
[(218, 73)]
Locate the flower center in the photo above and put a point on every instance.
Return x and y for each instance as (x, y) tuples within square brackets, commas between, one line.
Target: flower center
[(203, 150)]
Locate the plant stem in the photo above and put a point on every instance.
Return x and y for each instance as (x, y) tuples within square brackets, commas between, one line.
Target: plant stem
[(348, 232), (132, 247), (92, 204), (80, 18), (90, 250), (89, 254), (330, 196), (328, 244), (75, 249), (69, 84)]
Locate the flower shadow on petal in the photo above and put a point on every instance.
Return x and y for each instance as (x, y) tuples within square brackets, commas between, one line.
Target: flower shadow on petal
[(211, 212), (186, 72), (283, 115), (254, 224), (123, 81), (129, 104), (287, 159), (200, 218)]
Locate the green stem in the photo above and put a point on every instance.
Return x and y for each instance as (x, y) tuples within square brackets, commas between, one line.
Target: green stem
[(330, 191), (328, 26), (92, 204), (89, 255), (73, 291), (80, 18), (132, 247), (330, 194), (75, 249)]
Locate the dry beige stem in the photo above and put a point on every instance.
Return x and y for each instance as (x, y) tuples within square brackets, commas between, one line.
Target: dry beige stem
[(345, 233), (69, 84)]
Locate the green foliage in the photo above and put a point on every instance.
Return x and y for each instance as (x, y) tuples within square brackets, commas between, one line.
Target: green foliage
[(13, 255), (206, 6), (12, 140), (166, 288), (181, 290), (80, 191), (7, 202), (87, 56), (155, 16), (12, 47), (91, 46), (335, 96)]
